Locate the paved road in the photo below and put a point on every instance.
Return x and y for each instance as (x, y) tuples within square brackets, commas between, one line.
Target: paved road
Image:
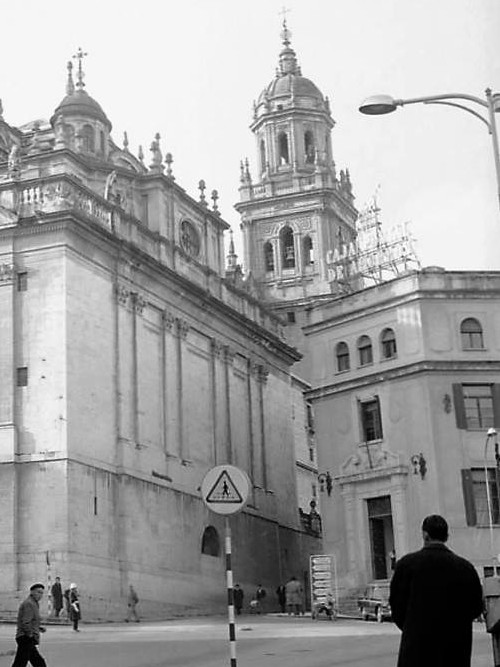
[(261, 642)]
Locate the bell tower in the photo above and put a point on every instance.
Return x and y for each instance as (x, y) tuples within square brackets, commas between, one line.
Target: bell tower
[(298, 210)]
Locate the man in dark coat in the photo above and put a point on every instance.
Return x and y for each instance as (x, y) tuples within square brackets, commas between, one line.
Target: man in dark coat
[(57, 597), (435, 596), (29, 629), (238, 596)]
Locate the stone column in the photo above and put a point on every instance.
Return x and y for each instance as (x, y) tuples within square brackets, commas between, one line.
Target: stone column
[(228, 362), (167, 322), (138, 305), (181, 331), (277, 257), (262, 379), (400, 515), (297, 242), (215, 353), (251, 443), (348, 495), (11, 520)]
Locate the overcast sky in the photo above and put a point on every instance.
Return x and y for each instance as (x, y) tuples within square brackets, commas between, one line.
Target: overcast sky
[(190, 69)]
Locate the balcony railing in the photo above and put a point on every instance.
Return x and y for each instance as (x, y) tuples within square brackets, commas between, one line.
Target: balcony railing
[(63, 194)]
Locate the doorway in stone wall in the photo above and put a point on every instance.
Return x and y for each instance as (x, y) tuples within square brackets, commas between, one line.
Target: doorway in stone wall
[(381, 535)]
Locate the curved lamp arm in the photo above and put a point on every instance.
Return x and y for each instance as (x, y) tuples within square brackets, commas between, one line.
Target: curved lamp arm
[(437, 98), (462, 106), (382, 104)]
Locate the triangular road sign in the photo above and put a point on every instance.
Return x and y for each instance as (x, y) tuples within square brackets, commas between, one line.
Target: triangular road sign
[(224, 491)]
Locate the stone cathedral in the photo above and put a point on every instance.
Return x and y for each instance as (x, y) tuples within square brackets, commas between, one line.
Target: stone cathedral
[(134, 359)]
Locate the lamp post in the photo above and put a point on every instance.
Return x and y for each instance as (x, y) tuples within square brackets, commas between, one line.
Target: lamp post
[(383, 104), (491, 434)]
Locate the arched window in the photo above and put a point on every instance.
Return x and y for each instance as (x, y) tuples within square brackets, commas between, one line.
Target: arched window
[(88, 140), (309, 147), (342, 355), (365, 351), (471, 333), (307, 251), (269, 256), (284, 156), (287, 248), (388, 344), (210, 543), (262, 155)]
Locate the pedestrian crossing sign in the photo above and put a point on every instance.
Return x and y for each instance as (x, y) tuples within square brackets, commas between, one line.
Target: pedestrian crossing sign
[(225, 489)]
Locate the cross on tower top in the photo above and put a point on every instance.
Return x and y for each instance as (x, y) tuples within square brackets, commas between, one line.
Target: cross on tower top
[(80, 55), (285, 33), (284, 11)]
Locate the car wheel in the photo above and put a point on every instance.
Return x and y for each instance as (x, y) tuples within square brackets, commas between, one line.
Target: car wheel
[(364, 615), (380, 616)]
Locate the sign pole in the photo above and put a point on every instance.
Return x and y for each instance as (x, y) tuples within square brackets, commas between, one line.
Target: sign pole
[(225, 490), (230, 596)]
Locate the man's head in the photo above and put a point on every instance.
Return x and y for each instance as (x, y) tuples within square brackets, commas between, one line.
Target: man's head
[(36, 591), (58, 580), (434, 529)]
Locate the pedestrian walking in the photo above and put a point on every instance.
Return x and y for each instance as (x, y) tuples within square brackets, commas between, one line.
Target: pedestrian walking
[(74, 606), (435, 595), (29, 629), (132, 601), (293, 592), (260, 596), (238, 596), (57, 597), (281, 593)]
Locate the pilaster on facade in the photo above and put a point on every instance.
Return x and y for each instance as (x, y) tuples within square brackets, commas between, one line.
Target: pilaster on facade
[(228, 358), (181, 331)]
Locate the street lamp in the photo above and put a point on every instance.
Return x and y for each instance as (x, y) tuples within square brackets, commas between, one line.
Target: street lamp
[(383, 104), (491, 434)]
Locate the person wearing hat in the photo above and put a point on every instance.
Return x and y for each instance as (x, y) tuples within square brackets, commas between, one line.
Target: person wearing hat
[(29, 629), (74, 606)]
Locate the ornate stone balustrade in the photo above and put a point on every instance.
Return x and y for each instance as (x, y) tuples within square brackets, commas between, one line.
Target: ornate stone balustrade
[(300, 184), (63, 194)]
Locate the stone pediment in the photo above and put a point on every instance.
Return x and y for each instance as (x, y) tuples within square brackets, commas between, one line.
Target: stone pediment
[(374, 461)]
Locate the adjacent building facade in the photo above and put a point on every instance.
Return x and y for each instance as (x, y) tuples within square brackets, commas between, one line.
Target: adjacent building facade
[(405, 382)]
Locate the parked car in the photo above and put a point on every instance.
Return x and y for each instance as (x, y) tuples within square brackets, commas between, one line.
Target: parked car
[(375, 603)]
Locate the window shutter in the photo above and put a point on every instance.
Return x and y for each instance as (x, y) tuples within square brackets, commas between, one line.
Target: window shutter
[(458, 401), (495, 391), (470, 505)]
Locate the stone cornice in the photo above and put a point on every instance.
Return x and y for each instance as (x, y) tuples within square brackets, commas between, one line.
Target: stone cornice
[(427, 366), (306, 466), (64, 220), (273, 116), (318, 193), (369, 475), (393, 300)]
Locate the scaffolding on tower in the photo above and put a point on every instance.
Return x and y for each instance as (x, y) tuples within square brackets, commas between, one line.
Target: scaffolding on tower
[(374, 256)]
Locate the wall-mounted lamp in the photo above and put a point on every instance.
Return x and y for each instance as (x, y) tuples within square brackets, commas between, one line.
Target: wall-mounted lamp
[(447, 403), (419, 465), (325, 482)]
